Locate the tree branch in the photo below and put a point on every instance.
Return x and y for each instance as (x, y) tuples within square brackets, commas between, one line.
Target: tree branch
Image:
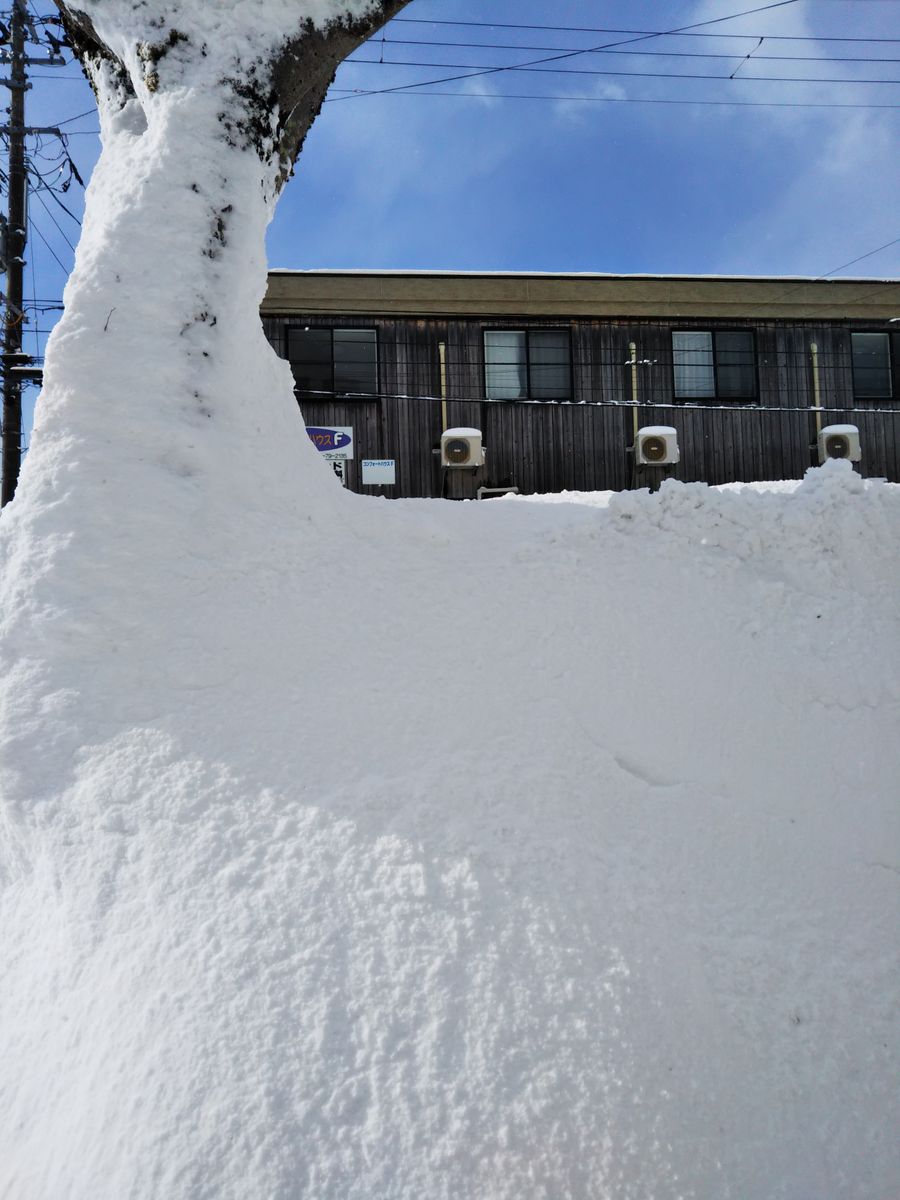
[(291, 86)]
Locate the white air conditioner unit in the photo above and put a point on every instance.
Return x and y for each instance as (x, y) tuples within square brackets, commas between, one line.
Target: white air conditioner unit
[(462, 448), (656, 446), (839, 441)]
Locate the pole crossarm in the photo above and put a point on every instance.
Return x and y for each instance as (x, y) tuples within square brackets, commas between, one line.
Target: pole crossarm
[(32, 129)]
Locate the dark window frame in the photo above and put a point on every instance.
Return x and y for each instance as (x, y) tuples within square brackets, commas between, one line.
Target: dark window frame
[(527, 330), (717, 397), (333, 393), (893, 369)]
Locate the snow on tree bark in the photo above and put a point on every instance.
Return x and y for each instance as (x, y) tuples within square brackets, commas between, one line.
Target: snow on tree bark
[(203, 109), (284, 83)]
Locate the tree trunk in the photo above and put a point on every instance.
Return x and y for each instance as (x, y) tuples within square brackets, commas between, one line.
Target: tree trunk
[(152, 571), (159, 366)]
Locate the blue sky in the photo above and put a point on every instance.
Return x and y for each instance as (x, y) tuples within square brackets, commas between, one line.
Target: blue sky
[(611, 166)]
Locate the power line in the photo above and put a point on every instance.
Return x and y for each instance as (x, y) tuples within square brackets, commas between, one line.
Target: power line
[(812, 58), (868, 254), (533, 70), (574, 53), (91, 112), (37, 230), (36, 193), (630, 330), (672, 404), (37, 338), (44, 186), (773, 37), (827, 275), (339, 93)]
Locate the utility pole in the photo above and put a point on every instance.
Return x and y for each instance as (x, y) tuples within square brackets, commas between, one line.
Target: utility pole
[(15, 257), (17, 366)]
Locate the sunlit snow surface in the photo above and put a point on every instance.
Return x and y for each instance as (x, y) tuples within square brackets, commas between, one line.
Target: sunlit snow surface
[(500, 850), (355, 850)]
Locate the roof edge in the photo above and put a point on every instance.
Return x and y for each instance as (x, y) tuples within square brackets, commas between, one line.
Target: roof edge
[(415, 273)]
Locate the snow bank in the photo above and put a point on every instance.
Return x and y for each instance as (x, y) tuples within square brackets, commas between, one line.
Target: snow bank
[(459, 851), (602, 499), (357, 850)]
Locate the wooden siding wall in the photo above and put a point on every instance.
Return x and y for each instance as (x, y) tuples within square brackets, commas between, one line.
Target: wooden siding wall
[(551, 447)]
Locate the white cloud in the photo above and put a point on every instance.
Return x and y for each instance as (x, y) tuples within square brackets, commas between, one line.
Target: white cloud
[(477, 180), (840, 201)]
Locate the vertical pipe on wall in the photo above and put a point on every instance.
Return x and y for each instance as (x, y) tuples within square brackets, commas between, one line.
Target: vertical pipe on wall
[(442, 355), (817, 394), (632, 351)]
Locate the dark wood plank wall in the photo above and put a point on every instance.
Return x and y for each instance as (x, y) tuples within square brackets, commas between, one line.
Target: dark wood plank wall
[(548, 447)]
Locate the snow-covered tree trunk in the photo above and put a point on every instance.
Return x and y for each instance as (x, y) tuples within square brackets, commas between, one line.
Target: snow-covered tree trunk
[(159, 366), (164, 411)]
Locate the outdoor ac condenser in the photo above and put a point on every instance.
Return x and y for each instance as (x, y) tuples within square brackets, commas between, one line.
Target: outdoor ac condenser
[(656, 446), (839, 441), (462, 448)]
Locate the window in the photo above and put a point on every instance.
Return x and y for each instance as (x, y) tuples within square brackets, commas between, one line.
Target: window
[(871, 366), (334, 361), (719, 365), (527, 364)]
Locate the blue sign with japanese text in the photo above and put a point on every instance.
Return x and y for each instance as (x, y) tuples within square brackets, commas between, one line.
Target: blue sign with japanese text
[(334, 442)]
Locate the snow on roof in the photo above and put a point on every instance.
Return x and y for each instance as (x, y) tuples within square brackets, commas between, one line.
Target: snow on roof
[(582, 275)]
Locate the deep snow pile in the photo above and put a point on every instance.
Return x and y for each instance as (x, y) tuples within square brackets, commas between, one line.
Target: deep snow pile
[(460, 851), (368, 851)]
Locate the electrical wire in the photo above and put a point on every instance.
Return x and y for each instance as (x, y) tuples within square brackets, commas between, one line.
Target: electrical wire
[(386, 42), (778, 356), (672, 405), (59, 227), (868, 294), (664, 361), (338, 93), (623, 328), (686, 31), (36, 331), (37, 229), (44, 186), (593, 71), (575, 53), (769, 37), (617, 75), (852, 261), (37, 340), (90, 112), (40, 150)]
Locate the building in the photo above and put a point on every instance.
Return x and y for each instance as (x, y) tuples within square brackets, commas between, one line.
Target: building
[(558, 371)]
